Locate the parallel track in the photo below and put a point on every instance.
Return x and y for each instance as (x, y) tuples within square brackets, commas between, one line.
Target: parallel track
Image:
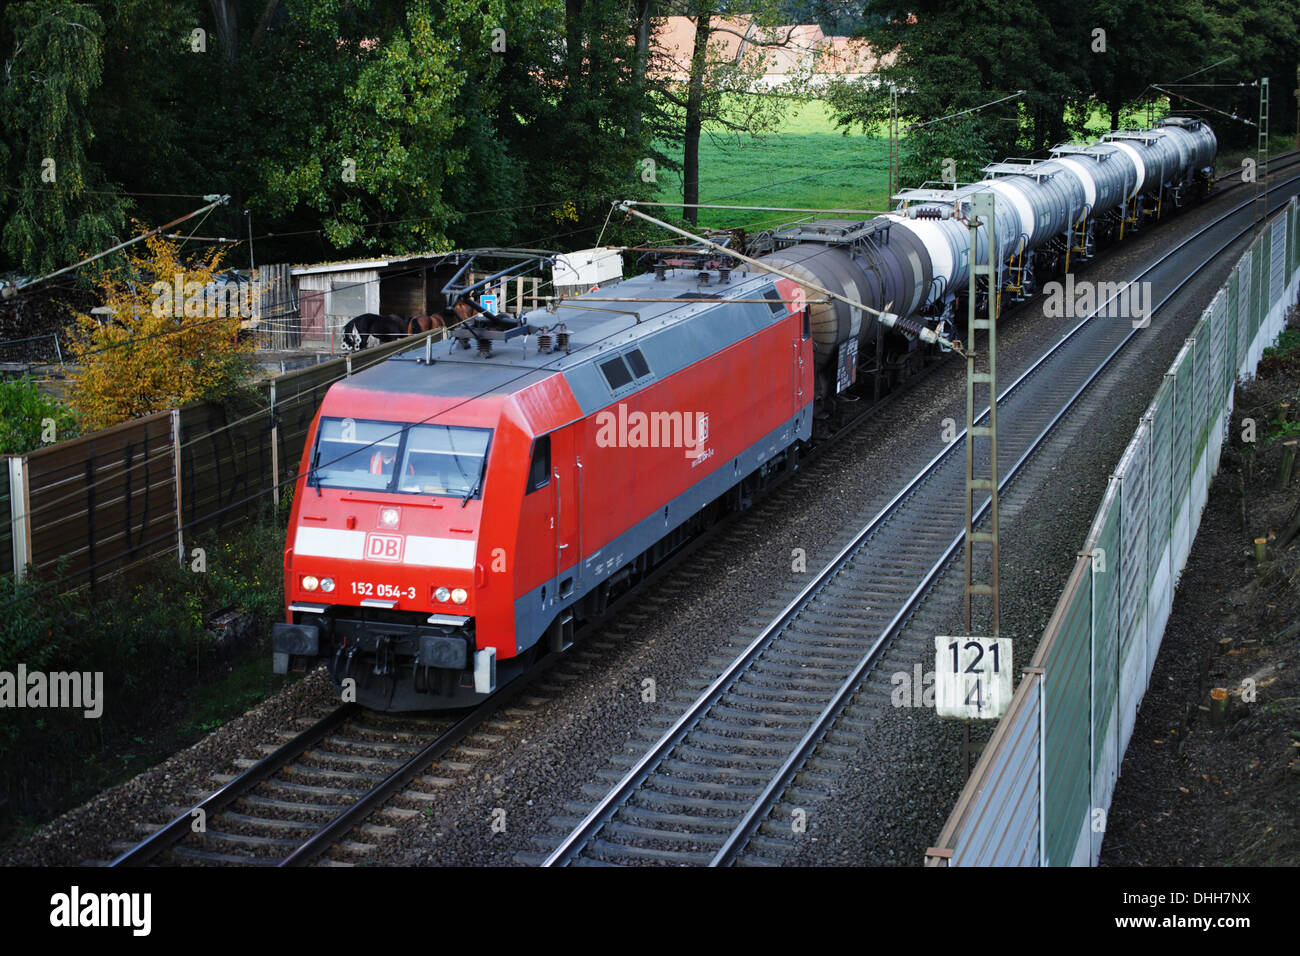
[(702, 790), (299, 801)]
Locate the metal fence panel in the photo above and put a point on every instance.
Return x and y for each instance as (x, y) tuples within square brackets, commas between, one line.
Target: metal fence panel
[(1132, 478), (6, 527), (999, 825), (1256, 287), (1293, 231), (1067, 758), (103, 501), (1201, 379), (1277, 259), (1201, 414), (1221, 369), (1241, 285), (1181, 452), (1229, 305), (225, 467), (1160, 515), (1104, 547)]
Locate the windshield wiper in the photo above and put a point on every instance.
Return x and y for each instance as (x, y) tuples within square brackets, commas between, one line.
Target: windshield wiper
[(315, 461), (477, 481)]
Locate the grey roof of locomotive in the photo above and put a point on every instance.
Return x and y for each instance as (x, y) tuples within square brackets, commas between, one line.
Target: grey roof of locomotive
[(670, 335)]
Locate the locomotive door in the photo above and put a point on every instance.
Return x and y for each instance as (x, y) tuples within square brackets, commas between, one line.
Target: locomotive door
[(566, 476)]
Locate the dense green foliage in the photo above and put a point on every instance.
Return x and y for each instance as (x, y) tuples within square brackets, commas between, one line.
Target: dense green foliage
[(29, 419), (343, 129), (146, 634), (1070, 58), (56, 206)]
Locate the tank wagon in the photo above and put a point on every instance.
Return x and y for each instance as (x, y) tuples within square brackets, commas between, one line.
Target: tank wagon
[(914, 262), (457, 514)]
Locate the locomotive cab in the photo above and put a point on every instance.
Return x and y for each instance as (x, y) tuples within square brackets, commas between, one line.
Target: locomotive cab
[(381, 567)]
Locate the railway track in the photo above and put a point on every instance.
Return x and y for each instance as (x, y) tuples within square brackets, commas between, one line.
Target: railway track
[(702, 789), (307, 796), (352, 765)]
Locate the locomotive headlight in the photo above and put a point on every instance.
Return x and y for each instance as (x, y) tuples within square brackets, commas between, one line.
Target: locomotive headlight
[(459, 596), (309, 583), (441, 594), (327, 585), (388, 517)]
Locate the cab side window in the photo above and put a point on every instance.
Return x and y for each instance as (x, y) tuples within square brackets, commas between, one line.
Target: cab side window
[(539, 472)]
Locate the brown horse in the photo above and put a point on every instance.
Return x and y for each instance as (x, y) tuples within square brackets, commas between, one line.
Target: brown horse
[(425, 323), (464, 311)]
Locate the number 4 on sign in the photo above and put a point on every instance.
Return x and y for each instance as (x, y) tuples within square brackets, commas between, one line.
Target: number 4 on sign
[(972, 676)]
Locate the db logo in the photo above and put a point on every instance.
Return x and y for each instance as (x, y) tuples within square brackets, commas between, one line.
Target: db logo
[(384, 547), (796, 298)]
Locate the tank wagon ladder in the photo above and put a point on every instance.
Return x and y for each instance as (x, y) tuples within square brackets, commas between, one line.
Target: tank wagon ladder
[(1082, 239)]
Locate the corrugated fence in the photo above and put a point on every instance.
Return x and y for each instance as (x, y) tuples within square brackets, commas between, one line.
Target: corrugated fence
[(1041, 789), (86, 508)]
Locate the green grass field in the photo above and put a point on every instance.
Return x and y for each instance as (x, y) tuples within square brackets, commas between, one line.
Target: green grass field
[(807, 163)]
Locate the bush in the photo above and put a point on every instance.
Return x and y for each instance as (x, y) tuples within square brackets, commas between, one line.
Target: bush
[(146, 633), (24, 412)]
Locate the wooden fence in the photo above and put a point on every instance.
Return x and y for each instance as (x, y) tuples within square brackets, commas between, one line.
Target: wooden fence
[(279, 326), (84, 509), (515, 295)]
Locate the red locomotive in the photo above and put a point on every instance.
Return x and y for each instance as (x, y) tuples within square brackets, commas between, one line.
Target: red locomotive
[(456, 515)]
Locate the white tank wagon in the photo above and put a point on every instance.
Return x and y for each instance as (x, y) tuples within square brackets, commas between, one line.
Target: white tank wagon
[(914, 262)]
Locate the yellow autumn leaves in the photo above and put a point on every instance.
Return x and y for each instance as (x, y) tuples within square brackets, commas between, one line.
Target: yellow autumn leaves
[(170, 336)]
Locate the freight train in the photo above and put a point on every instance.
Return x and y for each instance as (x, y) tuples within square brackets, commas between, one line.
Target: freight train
[(459, 513)]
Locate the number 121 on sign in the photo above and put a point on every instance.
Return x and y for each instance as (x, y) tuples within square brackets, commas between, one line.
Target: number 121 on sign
[(972, 676)]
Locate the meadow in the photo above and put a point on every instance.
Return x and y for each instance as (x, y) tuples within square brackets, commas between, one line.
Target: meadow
[(806, 163)]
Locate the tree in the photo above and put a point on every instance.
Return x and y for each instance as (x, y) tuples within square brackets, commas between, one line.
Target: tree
[(576, 113), (381, 135), (1070, 56), (58, 205), (723, 89), (169, 339), (954, 150), (1144, 45), (1005, 46)]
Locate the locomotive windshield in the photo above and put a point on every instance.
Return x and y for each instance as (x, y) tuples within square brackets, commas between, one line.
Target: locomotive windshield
[(410, 459)]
